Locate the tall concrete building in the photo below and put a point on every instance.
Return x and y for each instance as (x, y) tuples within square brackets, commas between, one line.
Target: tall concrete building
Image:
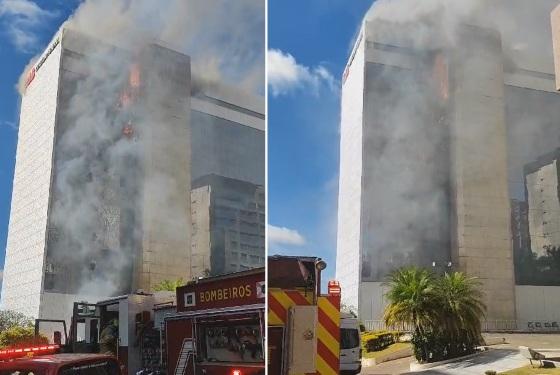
[(228, 226), (542, 186), (423, 166), (101, 196)]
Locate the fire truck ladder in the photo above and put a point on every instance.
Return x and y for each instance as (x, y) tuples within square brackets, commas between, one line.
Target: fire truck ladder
[(184, 356)]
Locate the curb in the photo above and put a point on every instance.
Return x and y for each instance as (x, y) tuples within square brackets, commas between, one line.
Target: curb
[(402, 353)]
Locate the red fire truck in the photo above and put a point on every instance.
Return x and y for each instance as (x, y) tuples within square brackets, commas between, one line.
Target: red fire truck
[(218, 328)]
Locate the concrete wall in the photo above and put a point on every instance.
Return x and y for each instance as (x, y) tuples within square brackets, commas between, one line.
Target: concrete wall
[(25, 250), (555, 25), (372, 301), (348, 249), (537, 304), (166, 221), (200, 240), (483, 234)]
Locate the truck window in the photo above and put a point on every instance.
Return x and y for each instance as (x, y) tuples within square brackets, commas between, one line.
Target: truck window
[(349, 338), (104, 367), (239, 343)]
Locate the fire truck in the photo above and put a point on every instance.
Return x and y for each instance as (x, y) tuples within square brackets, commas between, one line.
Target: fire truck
[(218, 326), (303, 324), (132, 319), (44, 360)]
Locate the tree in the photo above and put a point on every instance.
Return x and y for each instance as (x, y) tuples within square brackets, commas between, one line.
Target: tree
[(18, 336), (445, 312), (9, 319), (169, 285), (462, 308), (412, 299)]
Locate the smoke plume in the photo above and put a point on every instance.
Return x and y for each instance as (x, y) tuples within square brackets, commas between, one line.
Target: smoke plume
[(406, 183)]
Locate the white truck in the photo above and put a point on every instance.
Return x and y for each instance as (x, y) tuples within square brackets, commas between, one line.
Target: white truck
[(350, 345)]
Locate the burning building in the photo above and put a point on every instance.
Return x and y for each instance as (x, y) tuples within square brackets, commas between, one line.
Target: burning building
[(102, 145), (432, 211), (441, 110)]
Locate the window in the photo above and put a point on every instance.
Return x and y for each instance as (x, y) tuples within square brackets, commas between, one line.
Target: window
[(349, 338), (232, 343)]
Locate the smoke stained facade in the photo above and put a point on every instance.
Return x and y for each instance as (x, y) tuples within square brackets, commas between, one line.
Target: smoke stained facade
[(444, 111)]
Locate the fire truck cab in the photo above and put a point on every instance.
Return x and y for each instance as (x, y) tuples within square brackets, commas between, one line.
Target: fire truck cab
[(218, 327), (43, 360)]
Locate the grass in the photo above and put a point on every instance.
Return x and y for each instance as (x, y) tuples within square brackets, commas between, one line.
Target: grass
[(390, 349), (528, 370)]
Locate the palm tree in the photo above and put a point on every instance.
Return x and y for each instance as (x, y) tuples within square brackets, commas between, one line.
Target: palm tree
[(461, 304), (412, 299)]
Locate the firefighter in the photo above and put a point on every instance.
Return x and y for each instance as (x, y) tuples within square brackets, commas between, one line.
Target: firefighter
[(109, 338)]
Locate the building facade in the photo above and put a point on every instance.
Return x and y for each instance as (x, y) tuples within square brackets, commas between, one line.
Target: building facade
[(423, 178), (101, 197), (228, 226)]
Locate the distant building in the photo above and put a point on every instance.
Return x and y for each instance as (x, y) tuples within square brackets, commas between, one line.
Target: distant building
[(542, 186), (520, 226), (228, 226), (227, 133)]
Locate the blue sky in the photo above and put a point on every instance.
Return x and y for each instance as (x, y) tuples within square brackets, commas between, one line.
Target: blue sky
[(309, 43), (26, 27)]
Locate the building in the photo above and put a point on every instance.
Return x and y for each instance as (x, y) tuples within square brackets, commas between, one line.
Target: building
[(542, 181), (228, 133), (109, 142), (100, 201), (228, 226), (423, 178), (520, 228)]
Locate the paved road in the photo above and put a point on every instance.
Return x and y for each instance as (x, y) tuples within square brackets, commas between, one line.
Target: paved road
[(498, 360), (528, 339), (504, 357)]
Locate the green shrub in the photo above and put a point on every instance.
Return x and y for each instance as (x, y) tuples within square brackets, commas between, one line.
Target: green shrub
[(20, 336), (378, 340), (490, 372), (438, 346)]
